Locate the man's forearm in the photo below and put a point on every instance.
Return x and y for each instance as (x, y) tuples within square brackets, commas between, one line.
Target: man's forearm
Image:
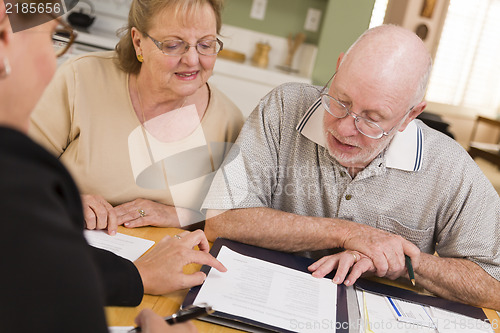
[(458, 279), (275, 229)]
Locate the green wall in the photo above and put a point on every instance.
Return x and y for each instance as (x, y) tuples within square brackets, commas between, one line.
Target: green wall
[(342, 22), (282, 17)]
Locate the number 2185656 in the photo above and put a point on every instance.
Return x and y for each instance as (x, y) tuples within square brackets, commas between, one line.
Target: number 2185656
[(33, 8)]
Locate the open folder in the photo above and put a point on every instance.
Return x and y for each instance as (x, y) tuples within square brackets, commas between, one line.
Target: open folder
[(271, 291)]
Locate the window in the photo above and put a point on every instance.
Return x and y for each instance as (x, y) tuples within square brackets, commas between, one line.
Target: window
[(378, 13), (467, 65), (466, 74)]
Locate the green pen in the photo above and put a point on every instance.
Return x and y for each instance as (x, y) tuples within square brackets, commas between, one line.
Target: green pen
[(410, 269)]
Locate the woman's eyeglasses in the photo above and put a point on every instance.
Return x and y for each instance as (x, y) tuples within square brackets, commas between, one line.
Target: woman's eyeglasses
[(207, 47)]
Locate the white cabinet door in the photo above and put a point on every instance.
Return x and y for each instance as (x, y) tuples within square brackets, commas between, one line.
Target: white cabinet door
[(245, 94)]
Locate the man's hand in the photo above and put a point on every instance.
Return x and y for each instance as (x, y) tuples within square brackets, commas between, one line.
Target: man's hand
[(161, 269), (345, 262), (386, 251)]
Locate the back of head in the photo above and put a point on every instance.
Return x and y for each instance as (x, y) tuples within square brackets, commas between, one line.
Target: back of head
[(391, 56), (27, 56), (141, 16)]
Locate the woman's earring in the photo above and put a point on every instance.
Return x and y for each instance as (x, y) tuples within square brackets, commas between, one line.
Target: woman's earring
[(5, 71), (140, 58)]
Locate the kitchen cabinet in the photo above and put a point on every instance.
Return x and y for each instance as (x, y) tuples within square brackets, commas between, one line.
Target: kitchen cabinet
[(245, 84)]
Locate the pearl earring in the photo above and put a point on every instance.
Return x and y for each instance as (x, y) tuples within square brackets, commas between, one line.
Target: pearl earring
[(6, 68)]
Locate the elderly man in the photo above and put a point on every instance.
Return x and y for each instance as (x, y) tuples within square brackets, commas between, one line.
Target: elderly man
[(364, 176)]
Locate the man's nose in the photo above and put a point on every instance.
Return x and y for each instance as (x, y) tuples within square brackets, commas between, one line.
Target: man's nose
[(346, 126)]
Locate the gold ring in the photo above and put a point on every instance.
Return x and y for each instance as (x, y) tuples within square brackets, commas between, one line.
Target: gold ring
[(355, 257), (142, 213), (177, 236)]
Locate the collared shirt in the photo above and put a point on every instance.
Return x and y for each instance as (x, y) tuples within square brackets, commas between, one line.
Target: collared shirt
[(424, 186)]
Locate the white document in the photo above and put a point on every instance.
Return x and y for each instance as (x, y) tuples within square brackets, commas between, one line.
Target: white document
[(363, 321), (409, 312), (270, 294), (379, 316), (120, 329), (128, 247), (450, 322)]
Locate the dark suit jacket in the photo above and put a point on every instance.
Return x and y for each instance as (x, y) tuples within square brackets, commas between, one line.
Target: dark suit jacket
[(51, 280)]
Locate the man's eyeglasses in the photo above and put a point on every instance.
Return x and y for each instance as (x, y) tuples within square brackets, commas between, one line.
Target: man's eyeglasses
[(63, 37), (365, 126), (178, 47)]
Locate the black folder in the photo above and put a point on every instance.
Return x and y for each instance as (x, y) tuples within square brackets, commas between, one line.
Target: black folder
[(348, 315), (276, 257)]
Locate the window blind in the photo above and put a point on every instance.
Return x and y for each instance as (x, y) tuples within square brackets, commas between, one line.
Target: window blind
[(466, 72)]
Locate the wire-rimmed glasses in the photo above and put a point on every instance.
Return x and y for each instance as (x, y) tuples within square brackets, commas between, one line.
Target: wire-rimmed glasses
[(177, 47), (365, 126)]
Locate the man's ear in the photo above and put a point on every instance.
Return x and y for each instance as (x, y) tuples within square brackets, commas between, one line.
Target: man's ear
[(339, 60), (417, 109)]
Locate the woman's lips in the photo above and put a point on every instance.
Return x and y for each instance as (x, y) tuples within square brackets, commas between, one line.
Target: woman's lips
[(187, 76)]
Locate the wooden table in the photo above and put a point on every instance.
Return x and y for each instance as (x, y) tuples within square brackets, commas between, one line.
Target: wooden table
[(163, 305), (167, 304)]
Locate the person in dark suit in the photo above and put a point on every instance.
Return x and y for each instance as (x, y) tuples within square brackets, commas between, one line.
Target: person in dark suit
[(52, 280)]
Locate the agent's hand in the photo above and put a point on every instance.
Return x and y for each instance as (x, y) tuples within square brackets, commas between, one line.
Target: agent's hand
[(161, 269), (99, 213), (386, 251), (345, 262), (143, 212), (150, 322)]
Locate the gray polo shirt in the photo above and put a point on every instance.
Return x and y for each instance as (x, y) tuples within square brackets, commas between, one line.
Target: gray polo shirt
[(424, 186)]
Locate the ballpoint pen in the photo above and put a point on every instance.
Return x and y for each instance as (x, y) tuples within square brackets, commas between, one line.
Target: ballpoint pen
[(183, 315), (410, 269)]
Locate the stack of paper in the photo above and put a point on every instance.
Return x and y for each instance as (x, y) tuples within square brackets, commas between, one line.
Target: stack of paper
[(125, 246)]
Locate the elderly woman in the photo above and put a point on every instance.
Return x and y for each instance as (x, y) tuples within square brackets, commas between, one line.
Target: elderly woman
[(140, 129)]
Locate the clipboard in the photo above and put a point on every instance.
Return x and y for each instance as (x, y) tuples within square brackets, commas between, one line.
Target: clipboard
[(344, 316)]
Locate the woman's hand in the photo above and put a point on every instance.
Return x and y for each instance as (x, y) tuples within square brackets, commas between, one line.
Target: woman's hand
[(143, 212), (161, 269), (150, 322), (345, 262), (99, 214)]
